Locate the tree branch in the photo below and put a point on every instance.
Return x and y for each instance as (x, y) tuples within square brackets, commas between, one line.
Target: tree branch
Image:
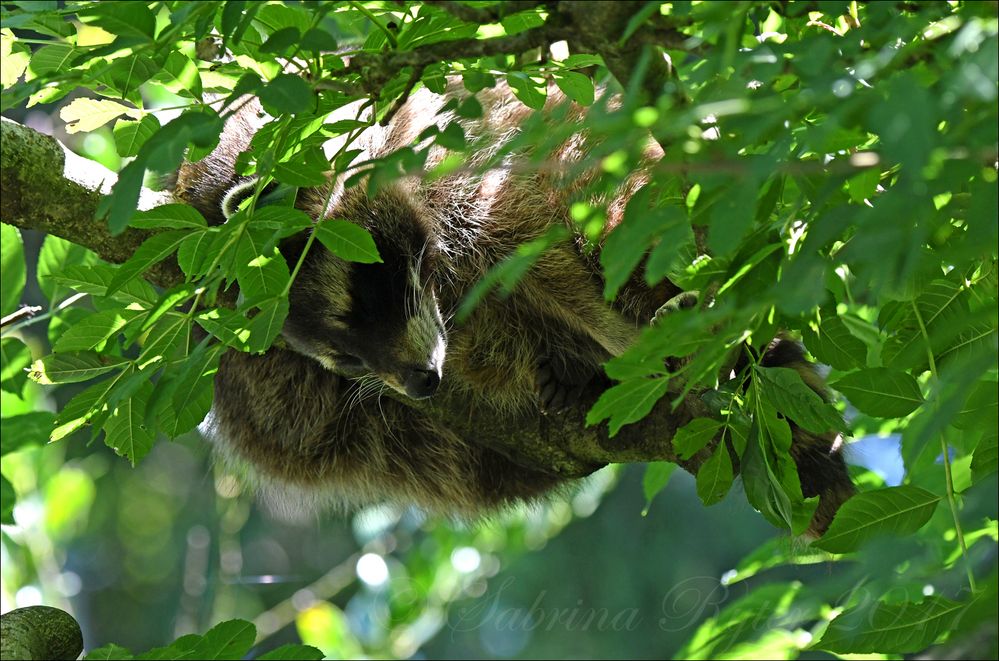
[(39, 632), (46, 187)]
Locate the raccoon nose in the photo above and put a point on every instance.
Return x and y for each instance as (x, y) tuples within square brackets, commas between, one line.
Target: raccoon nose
[(421, 383)]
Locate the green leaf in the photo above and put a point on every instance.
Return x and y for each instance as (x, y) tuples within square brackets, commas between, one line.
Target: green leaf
[(94, 330), (452, 137), (55, 259), (82, 408), (714, 477), (109, 652), (12, 267), (835, 345), (695, 435), (891, 628), (348, 241), (304, 170), (892, 511), (168, 339), (182, 648), (226, 640), (281, 40), (881, 392), (304, 652), (180, 75), (315, 40), (8, 498), (286, 94), (627, 402), (657, 474), (85, 115), (192, 394), (769, 474), (53, 58), (228, 326), (96, 278), (152, 251), (14, 59), (176, 216), (129, 136), (267, 323), (195, 254), (985, 462), (530, 92), (784, 388), (26, 429), (14, 357), (943, 306), (627, 244), (260, 275), (132, 19), (125, 431), (576, 86), (72, 367)]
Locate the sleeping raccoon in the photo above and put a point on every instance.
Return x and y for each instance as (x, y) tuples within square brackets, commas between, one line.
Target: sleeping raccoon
[(315, 438)]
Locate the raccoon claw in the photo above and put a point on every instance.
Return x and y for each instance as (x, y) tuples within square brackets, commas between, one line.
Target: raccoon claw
[(682, 301), (555, 393)]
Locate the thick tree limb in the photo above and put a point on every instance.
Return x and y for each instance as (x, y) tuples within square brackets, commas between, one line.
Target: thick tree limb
[(46, 187), (39, 632)]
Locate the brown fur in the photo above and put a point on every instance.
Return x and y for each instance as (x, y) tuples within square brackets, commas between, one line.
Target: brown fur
[(308, 433)]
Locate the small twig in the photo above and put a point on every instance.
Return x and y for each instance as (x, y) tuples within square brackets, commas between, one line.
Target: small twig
[(32, 320), (26, 311), (401, 101)]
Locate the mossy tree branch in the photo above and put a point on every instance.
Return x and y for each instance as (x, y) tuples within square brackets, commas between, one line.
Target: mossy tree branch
[(39, 632)]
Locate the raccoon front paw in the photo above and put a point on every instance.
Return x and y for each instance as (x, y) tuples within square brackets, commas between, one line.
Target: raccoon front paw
[(682, 301), (557, 386)]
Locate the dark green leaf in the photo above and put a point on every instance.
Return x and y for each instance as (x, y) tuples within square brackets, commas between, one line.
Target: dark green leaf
[(348, 241), (892, 511), (784, 388), (714, 477), (26, 429), (129, 136), (891, 628), (125, 431), (627, 402), (227, 640), (15, 357), (657, 474), (72, 367), (12, 267), (576, 86), (881, 392), (152, 251), (695, 435), (286, 94)]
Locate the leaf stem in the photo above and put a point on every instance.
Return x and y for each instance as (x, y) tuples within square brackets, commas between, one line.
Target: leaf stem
[(374, 19), (951, 499)]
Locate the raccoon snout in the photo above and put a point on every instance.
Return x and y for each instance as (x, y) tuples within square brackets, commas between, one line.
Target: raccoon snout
[(421, 383)]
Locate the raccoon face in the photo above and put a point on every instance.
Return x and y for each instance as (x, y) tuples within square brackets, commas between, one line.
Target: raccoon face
[(381, 318)]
